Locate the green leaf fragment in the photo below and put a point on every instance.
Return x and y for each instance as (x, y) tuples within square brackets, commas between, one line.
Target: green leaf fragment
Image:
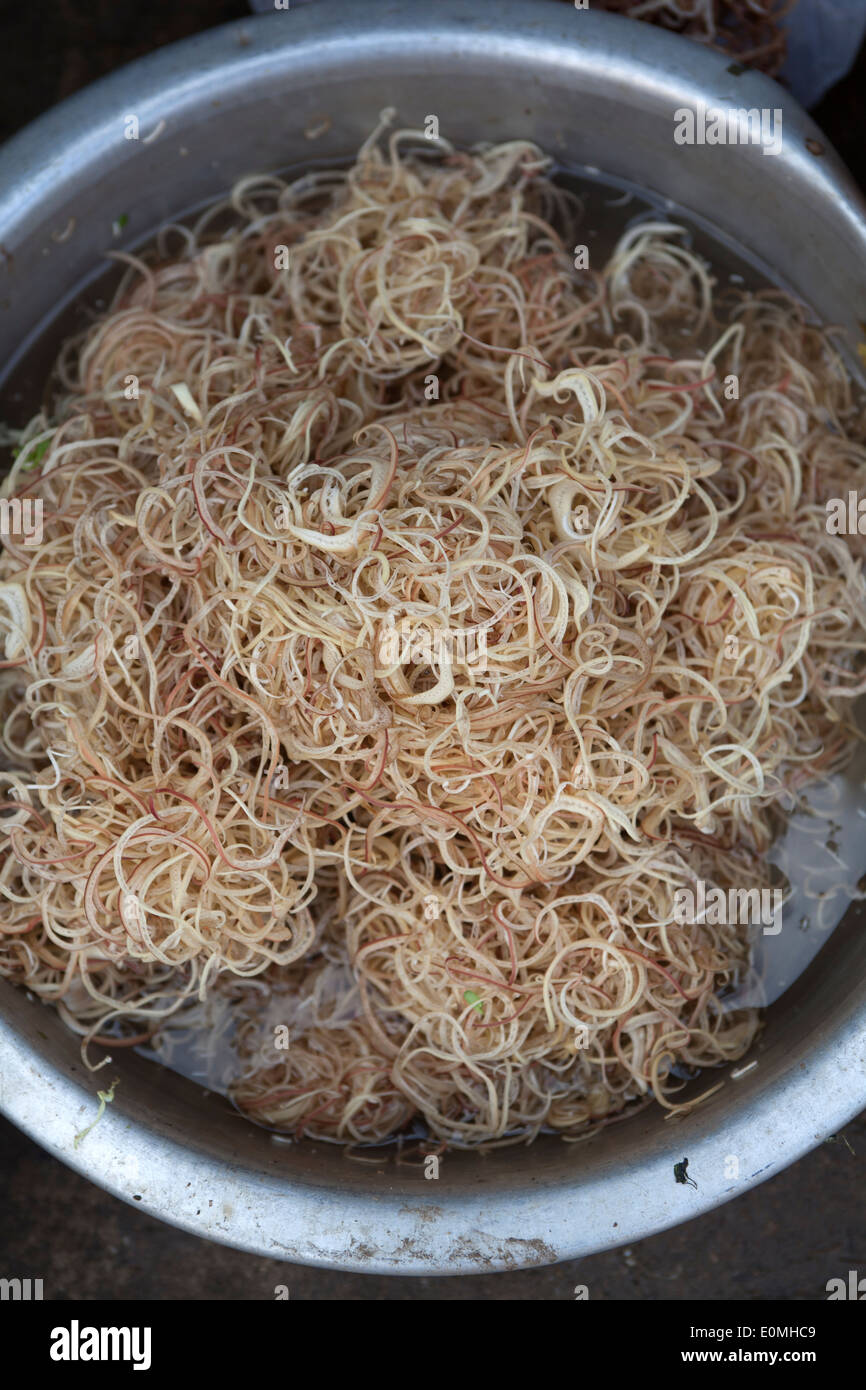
[(472, 998), (36, 453)]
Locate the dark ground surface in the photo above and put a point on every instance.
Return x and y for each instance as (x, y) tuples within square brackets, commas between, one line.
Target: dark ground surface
[(782, 1240)]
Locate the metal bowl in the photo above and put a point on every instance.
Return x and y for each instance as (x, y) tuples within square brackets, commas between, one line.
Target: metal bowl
[(299, 87)]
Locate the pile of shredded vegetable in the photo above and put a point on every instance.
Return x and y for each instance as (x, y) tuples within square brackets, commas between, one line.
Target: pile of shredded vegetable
[(385, 401)]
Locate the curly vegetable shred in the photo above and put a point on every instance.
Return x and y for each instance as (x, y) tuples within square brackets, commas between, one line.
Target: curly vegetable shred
[(378, 402)]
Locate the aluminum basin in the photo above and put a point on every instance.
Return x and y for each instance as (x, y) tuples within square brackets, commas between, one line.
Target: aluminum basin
[(592, 89)]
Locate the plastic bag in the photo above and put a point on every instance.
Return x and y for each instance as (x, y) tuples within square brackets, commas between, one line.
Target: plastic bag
[(823, 39)]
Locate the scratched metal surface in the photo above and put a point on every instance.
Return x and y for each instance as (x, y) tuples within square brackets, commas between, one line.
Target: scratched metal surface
[(782, 1240)]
